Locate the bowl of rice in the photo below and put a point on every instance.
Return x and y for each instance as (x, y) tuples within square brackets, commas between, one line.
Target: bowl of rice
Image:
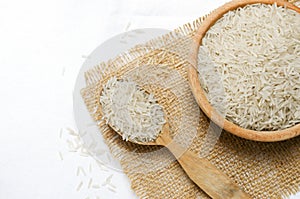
[(245, 69)]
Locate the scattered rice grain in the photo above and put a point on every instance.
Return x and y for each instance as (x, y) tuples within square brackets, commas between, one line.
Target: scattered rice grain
[(90, 183), (108, 180), (72, 132), (78, 171), (61, 156), (82, 170), (127, 27), (96, 186), (63, 71), (60, 132), (112, 185), (90, 168), (79, 186), (111, 189)]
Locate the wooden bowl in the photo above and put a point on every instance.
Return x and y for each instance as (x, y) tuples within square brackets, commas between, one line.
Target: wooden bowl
[(264, 136)]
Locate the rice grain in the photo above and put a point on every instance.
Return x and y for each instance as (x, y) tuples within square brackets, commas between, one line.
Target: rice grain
[(131, 110), (250, 68)]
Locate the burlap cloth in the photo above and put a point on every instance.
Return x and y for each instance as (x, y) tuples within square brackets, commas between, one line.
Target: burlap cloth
[(264, 170)]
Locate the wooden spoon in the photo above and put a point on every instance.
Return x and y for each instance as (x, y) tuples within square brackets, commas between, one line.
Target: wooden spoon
[(210, 179)]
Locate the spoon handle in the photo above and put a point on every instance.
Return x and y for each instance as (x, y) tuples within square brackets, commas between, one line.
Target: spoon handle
[(210, 179)]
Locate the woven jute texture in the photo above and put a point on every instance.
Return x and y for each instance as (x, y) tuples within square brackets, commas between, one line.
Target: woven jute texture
[(264, 170)]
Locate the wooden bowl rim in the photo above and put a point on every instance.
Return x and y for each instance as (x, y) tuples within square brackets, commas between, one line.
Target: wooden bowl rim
[(264, 136)]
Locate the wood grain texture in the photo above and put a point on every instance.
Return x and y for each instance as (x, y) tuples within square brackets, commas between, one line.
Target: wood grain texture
[(209, 178), (264, 136), (204, 174)]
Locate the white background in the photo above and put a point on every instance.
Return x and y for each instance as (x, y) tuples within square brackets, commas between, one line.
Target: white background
[(42, 47)]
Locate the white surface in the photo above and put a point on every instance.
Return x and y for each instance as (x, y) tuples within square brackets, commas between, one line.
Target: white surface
[(38, 41)]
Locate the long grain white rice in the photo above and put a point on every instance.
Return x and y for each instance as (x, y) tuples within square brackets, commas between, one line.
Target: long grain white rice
[(112, 185), (63, 71), (111, 189), (96, 186), (75, 144), (254, 53), (79, 186), (71, 131), (101, 166), (132, 111), (128, 26), (61, 156), (78, 171), (60, 132), (84, 152), (82, 170), (107, 180), (90, 168), (90, 183)]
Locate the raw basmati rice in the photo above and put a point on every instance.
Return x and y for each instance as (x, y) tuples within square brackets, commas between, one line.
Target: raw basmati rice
[(132, 111), (82, 170), (60, 132), (90, 168), (79, 186), (63, 71), (75, 144), (101, 165), (254, 54), (60, 156), (107, 180), (78, 171), (111, 189), (71, 131), (112, 186), (96, 186), (90, 183)]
